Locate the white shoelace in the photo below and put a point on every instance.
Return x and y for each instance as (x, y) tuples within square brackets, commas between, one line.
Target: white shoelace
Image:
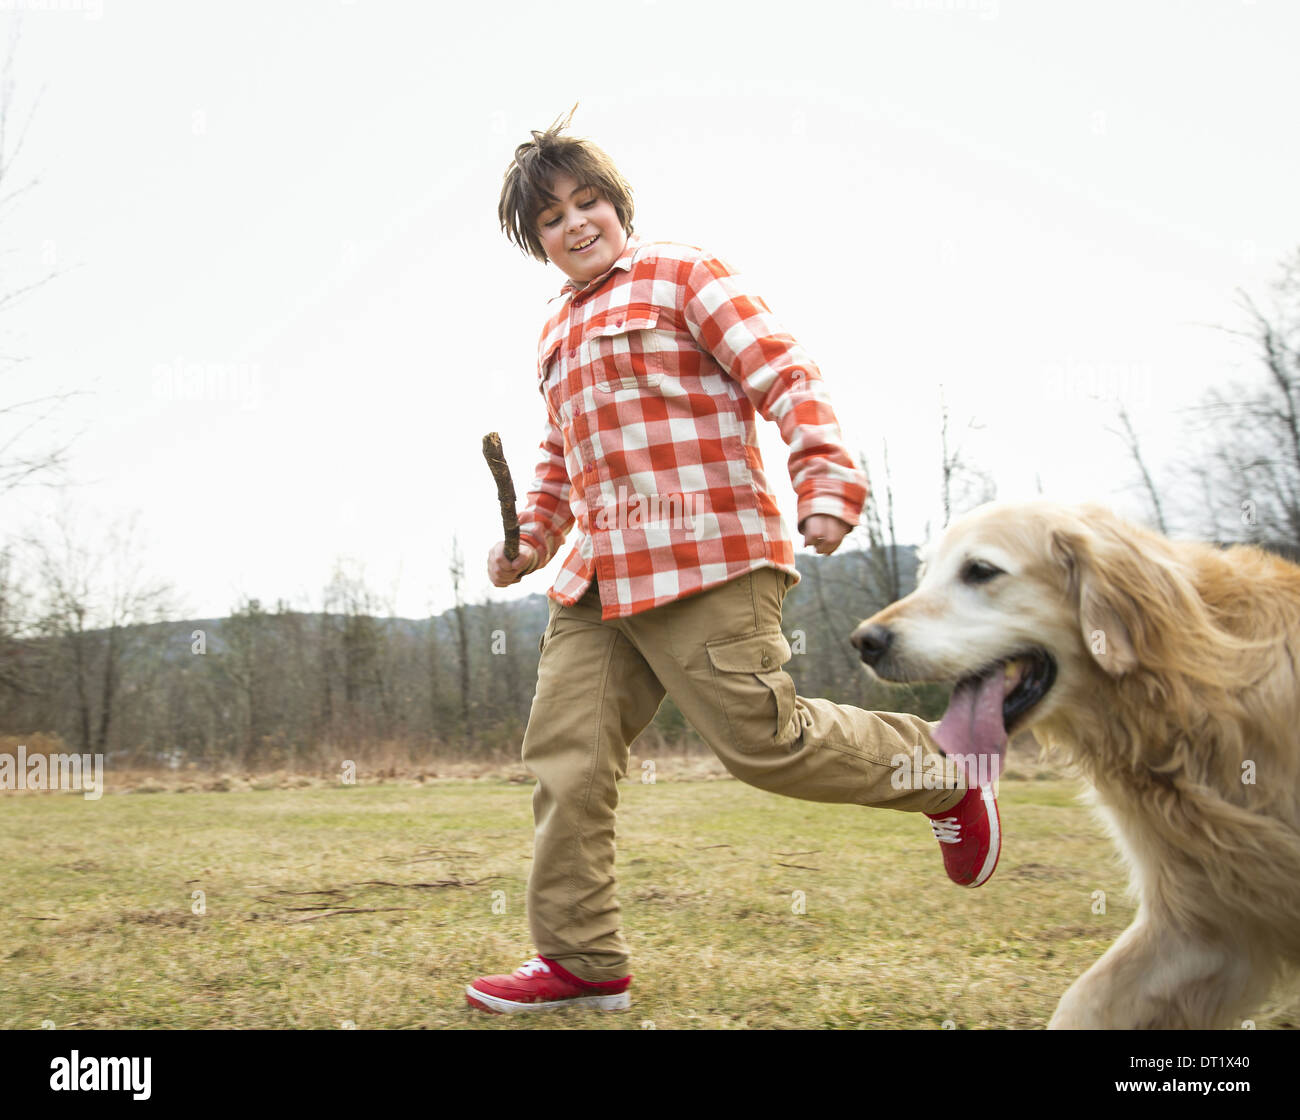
[(947, 830), (532, 967)]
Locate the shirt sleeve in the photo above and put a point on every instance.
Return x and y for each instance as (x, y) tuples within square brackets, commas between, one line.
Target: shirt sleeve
[(546, 517), (782, 383)]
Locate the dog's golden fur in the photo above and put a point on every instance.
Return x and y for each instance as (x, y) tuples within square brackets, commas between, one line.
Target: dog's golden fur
[(1177, 696)]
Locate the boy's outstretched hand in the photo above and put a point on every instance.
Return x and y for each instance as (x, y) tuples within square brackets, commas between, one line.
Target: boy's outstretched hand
[(823, 532), (503, 572)]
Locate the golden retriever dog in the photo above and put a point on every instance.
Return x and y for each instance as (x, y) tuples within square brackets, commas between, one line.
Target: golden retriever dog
[(1166, 671)]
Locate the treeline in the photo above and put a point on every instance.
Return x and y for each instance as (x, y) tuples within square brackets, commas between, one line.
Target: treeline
[(278, 687)]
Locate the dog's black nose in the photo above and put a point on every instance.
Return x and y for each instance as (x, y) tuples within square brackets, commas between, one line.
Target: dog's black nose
[(872, 642)]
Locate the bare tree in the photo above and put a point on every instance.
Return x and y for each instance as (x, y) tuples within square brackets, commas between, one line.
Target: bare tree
[(434, 652), (21, 414), (16, 658), (1252, 467), (844, 672), (355, 657), (457, 570), (880, 558), (964, 485), (96, 601), (243, 664), (1130, 438)]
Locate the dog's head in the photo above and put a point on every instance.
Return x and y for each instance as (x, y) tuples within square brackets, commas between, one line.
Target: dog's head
[(1027, 608)]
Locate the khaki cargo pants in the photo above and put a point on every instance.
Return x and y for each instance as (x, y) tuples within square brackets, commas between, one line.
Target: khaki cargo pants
[(718, 654)]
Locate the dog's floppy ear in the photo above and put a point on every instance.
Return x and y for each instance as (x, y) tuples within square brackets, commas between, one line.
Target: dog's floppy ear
[(1138, 606), (1106, 610)]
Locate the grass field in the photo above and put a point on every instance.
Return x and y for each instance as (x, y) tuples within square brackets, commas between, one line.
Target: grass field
[(375, 905)]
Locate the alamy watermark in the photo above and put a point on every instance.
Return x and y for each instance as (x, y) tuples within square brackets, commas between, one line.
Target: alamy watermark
[(54, 771), (646, 511), (1073, 380), (88, 1073), (938, 771), (181, 380)]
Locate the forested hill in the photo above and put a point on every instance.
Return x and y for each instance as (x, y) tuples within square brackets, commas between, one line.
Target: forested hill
[(278, 686)]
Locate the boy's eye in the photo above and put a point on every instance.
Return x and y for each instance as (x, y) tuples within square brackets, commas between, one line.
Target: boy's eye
[(556, 219)]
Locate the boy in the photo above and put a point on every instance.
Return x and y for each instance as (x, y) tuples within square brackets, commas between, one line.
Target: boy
[(652, 367)]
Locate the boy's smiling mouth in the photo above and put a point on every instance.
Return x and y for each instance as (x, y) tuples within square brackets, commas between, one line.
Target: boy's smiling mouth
[(578, 248)]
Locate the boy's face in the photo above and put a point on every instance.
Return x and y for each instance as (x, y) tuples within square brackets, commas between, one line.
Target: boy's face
[(581, 232)]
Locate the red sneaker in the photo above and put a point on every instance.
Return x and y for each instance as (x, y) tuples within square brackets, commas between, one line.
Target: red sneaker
[(970, 834), (541, 984)]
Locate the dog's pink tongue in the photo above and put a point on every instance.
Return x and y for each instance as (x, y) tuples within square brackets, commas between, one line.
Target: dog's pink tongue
[(971, 731)]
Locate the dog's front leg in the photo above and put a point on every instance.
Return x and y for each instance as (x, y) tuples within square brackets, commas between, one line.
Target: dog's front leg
[(1157, 977), (1102, 998)]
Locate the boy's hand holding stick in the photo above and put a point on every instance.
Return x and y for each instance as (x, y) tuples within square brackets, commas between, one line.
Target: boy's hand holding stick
[(507, 562)]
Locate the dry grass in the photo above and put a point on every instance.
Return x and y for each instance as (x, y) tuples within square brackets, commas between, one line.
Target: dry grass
[(374, 904)]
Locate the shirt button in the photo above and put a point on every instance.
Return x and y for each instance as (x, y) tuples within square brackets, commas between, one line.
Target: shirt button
[(572, 354), (767, 660), (619, 323)]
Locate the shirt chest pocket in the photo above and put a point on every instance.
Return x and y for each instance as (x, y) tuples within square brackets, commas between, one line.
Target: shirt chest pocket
[(626, 351), (550, 383)]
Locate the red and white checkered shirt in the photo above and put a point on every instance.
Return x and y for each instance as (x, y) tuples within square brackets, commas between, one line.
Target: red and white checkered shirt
[(652, 374)]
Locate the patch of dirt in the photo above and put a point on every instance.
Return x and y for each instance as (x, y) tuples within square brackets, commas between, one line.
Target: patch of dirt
[(159, 917), (1069, 933), (1037, 871), (660, 894)]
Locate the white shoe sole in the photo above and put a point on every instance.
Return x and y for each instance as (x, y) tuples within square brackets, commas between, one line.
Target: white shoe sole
[(995, 836), (619, 1002)]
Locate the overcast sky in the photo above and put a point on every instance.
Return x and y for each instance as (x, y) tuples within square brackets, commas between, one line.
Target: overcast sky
[(1044, 207)]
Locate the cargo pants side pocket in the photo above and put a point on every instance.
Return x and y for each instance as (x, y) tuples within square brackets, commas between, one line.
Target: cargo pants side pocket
[(755, 693)]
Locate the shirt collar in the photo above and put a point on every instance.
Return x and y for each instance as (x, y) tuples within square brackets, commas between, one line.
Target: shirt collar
[(624, 262)]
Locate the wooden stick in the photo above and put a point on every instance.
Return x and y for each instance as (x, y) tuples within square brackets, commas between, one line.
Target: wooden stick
[(496, 461)]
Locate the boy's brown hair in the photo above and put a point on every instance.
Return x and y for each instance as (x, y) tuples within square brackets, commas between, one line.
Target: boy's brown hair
[(526, 191)]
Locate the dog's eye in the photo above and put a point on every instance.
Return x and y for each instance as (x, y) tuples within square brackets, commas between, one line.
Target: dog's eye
[(979, 571)]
